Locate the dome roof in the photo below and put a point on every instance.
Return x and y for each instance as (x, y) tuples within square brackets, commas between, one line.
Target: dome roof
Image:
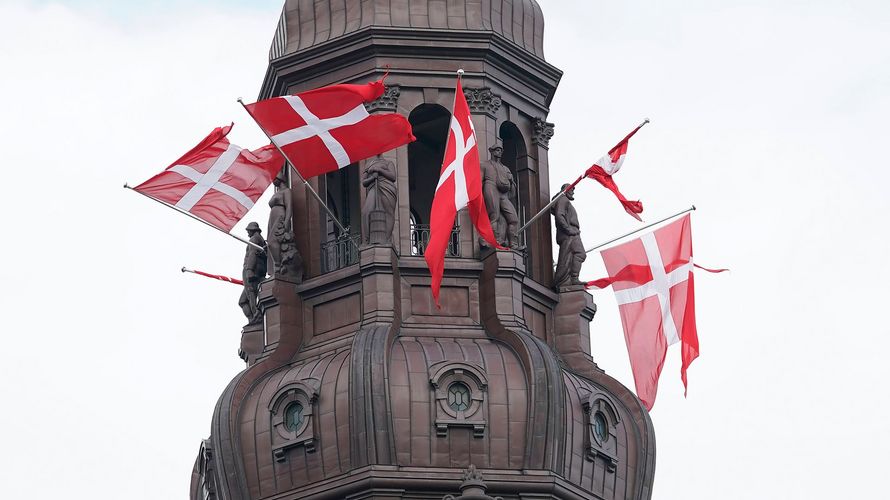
[(305, 23)]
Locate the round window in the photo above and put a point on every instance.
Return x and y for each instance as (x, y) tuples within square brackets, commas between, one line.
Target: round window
[(459, 396), (600, 427), (293, 416)]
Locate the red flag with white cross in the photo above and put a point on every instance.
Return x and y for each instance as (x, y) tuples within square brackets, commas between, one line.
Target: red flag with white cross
[(460, 185), (216, 181), (653, 283), (326, 129)]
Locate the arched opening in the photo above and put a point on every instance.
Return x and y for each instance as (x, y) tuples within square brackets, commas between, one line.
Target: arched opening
[(429, 123), (515, 157), (339, 249)]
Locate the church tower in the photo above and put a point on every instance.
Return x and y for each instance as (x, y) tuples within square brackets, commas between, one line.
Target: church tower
[(356, 385)]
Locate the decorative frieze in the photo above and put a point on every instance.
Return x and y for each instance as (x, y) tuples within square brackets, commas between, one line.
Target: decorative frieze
[(483, 101), (543, 133), (388, 102)]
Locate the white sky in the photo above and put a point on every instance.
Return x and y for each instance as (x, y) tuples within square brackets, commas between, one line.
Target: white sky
[(769, 116)]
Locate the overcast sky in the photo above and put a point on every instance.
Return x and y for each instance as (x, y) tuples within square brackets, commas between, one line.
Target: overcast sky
[(769, 116)]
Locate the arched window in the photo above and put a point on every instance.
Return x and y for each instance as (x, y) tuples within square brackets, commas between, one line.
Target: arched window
[(429, 123), (515, 157), (342, 196)]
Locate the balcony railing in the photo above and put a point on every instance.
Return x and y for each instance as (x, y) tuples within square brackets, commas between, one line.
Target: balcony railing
[(420, 238), (339, 253)]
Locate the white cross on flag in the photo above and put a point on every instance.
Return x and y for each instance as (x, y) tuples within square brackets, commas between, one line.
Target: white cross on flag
[(603, 170), (460, 185), (216, 181), (653, 283), (329, 128)]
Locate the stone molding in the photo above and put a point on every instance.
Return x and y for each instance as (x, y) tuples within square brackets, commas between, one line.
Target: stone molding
[(388, 102), (482, 100), (543, 133)]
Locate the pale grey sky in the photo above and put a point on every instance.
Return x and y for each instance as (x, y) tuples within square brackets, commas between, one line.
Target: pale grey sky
[(769, 116)]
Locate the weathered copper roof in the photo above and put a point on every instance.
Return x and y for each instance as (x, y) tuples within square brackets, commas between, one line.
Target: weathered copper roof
[(305, 23)]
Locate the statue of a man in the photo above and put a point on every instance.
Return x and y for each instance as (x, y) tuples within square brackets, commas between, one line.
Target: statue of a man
[(568, 237), (381, 197), (497, 186), (286, 259), (254, 271)]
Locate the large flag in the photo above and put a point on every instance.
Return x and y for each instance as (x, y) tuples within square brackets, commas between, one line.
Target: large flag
[(460, 185), (329, 128), (653, 283), (603, 170), (216, 181)]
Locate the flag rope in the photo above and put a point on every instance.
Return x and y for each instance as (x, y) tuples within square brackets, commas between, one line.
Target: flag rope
[(570, 186), (193, 216)]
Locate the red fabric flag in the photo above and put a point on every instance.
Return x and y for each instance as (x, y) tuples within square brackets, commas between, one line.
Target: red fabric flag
[(460, 185), (216, 181), (220, 277), (653, 282), (603, 170), (329, 128)]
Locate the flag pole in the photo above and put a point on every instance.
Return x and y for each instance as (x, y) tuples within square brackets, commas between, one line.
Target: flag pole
[(570, 186), (641, 229), (242, 240), (214, 276), (305, 182)]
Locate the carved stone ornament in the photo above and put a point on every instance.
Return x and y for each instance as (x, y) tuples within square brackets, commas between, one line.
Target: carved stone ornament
[(388, 102), (601, 421), (459, 391), (292, 410), (543, 133), (482, 101), (472, 487)]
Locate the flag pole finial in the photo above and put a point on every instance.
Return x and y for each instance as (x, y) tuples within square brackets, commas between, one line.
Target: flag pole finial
[(460, 72)]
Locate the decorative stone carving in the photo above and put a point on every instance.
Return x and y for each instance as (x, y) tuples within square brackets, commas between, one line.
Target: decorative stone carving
[(292, 410), (379, 211), (388, 102), (472, 487), (568, 237), (482, 100), (459, 391), (497, 186), (286, 260), (253, 272), (601, 420), (543, 133)]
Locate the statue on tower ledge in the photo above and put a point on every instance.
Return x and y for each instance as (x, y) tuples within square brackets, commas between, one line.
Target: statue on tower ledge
[(378, 213), (254, 271), (286, 259), (497, 186), (568, 237)]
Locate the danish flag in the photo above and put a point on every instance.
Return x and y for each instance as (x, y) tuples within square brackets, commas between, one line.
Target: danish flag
[(653, 283), (216, 181), (329, 128), (603, 170), (460, 185)]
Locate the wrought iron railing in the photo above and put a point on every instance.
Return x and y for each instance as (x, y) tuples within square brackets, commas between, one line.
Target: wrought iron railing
[(420, 238), (339, 253)]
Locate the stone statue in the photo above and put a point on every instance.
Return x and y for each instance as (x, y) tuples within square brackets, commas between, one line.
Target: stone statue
[(286, 259), (254, 271), (378, 213), (497, 186), (568, 237)]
